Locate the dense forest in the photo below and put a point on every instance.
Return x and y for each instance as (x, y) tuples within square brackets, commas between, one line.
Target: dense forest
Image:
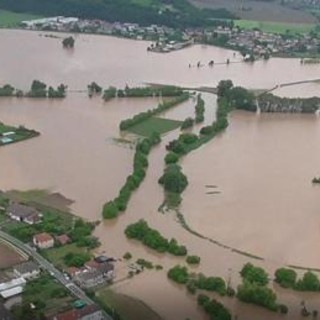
[(173, 13)]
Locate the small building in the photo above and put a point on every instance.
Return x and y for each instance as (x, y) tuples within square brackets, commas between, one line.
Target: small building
[(63, 239), (23, 213), (88, 312), (43, 240), (27, 270), (73, 271), (89, 278), (10, 286)]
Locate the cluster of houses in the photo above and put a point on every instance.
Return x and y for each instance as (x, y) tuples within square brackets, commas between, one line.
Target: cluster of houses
[(256, 42), (95, 272), (168, 39), (72, 24)]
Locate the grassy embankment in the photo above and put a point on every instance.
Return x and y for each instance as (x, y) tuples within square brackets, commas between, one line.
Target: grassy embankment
[(126, 306), (276, 27), (12, 19), (19, 134)]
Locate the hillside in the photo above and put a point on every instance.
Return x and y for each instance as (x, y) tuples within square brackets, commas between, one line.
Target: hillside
[(259, 10), (174, 13)]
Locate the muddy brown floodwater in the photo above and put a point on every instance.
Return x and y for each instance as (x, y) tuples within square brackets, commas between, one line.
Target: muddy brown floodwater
[(262, 165)]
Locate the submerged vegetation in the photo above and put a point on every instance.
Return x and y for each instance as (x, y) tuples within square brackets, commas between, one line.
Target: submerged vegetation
[(142, 92), (112, 208), (38, 90), (153, 239)]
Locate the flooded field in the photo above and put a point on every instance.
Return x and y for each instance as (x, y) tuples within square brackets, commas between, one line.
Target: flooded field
[(262, 165)]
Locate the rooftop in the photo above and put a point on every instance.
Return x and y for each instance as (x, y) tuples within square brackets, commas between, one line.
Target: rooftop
[(43, 237), (21, 210), (26, 267)]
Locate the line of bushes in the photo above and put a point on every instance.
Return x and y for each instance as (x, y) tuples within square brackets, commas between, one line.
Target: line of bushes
[(287, 278), (199, 109), (199, 114), (140, 117), (193, 281), (127, 92), (38, 90), (153, 239), (254, 289), (112, 208), (213, 308)]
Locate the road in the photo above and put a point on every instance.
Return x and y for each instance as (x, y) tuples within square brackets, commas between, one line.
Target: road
[(45, 264)]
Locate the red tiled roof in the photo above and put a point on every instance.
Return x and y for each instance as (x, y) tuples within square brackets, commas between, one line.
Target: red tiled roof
[(43, 237), (72, 271), (92, 264), (63, 239)]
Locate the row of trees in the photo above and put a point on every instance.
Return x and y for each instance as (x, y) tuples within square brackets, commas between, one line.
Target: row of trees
[(194, 281), (38, 90), (153, 239), (127, 92), (287, 278), (213, 308), (199, 114), (112, 208), (254, 289), (181, 13), (140, 117)]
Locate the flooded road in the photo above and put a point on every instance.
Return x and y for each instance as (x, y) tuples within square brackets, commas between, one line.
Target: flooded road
[(262, 165)]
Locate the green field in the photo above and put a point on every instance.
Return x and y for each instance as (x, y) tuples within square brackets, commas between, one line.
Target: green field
[(12, 19), (52, 294), (275, 27), (56, 255), (127, 307), (153, 124)]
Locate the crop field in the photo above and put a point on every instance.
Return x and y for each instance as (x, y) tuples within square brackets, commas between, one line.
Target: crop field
[(259, 10), (12, 19), (160, 125), (276, 27)]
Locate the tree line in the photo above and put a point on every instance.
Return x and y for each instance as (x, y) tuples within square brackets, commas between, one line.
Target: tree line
[(38, 90), (153, 239), (180, 14), (111, 209)]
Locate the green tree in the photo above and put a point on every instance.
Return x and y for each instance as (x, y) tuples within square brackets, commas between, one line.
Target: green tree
[(173, 179), (68, 42), (286, 277), (253, 274)]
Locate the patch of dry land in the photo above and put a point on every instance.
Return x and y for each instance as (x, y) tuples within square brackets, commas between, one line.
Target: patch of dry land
[(258, 10)]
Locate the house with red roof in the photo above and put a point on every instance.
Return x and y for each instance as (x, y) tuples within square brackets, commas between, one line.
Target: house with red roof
[(43, 240)]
